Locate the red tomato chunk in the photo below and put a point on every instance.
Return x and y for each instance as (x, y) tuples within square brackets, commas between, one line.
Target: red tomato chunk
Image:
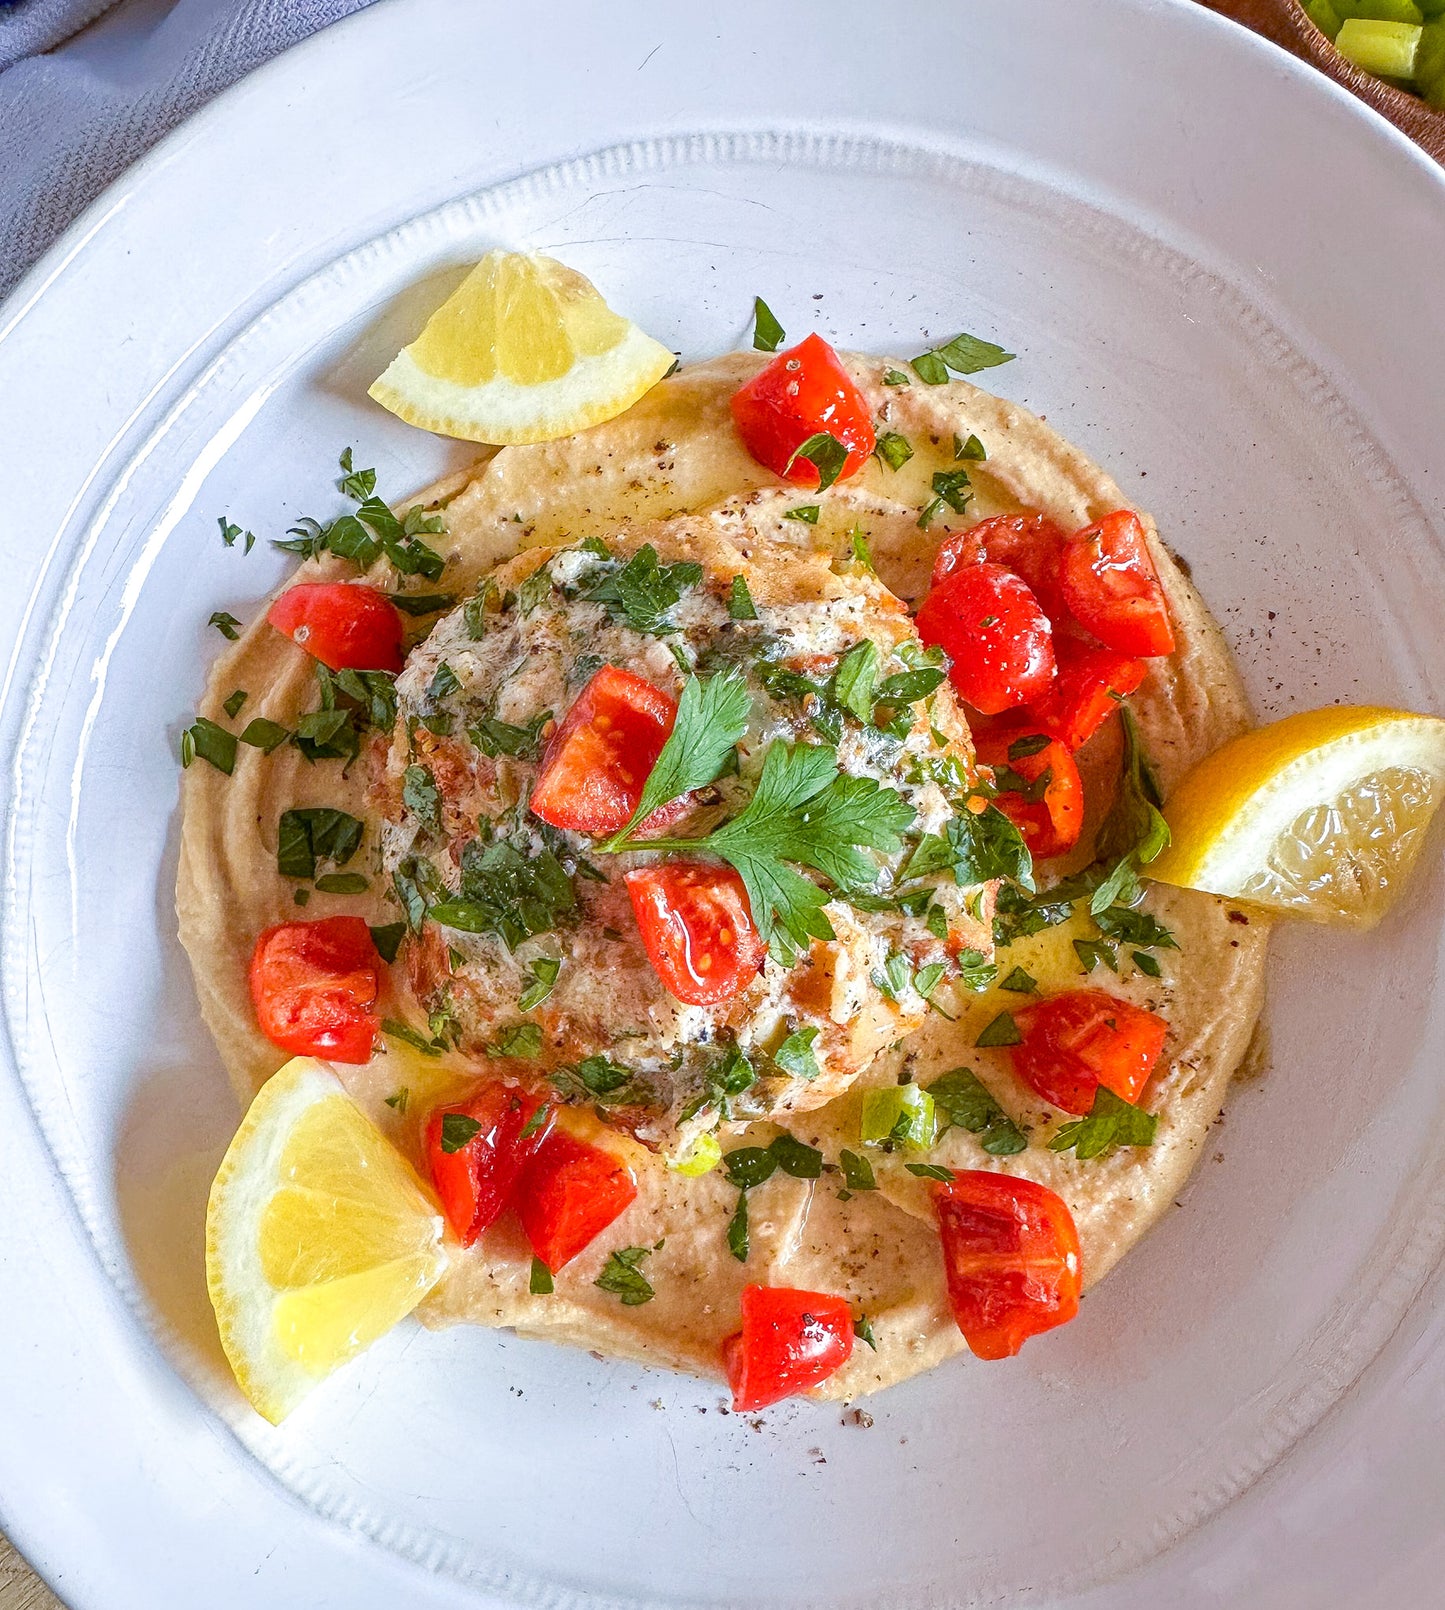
[(1075, 1042), (1011, 1258), (597, 762), (345, 625), (568, 1194), (314, 984), (998, 639), (802, 392), (789, 1341), (1111, 586), (697, 929), (1090, 686), (476, 1180), (1050, 824)]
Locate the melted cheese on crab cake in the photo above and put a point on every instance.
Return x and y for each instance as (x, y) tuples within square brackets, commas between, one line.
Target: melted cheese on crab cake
[(474, 706)]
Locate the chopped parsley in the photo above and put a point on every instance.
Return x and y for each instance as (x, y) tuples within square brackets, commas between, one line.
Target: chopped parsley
[(395, 1029), (1091, 952), (458, 1130), (966, 1102), (855, 681), (1019, 982), (1111, 1121), (204, 739), (1001, 1031), (825, 453), (371, 532), (495, 737), (540, 1283), (642, 591), (895, 377), (768, 334), (795, 1055), (226, 624), (422, 603), (398, 1099), (522, 1040), (421, 796), (737, 1232), (951, 487), (387, 940), (930, 1171), (505, 892), (807, 513), (306, 837), (342, 883), (232, 706), (230, 531), (544, 972), (893, 450), (863, 1330), (857, 1172), (965, 355), (740, 601), (622, 1277), (970, 449)]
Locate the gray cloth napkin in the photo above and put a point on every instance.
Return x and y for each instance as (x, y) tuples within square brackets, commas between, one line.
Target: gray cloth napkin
[(71, 121)]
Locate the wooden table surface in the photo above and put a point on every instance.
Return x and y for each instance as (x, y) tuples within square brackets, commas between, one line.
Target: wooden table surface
[(1280, 20)]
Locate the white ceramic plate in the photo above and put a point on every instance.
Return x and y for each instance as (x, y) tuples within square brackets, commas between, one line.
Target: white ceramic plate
[(1222, 278)]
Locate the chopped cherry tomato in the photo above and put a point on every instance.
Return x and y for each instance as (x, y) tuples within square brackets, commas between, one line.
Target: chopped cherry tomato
[(697, 928), (345, 625), (801, 392), (994, 632), (1027, 544), (1089, 687), (790, 1341), (1110, 583), (475, 1181), (1075, 1042), (1051, 821), (1011, 1256), (568, 1194), (596, 763), (314, 984)]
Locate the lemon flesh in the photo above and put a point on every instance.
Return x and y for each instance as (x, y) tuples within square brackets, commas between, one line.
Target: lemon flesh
[(319, 1238), (524, 350), (1321, 815)]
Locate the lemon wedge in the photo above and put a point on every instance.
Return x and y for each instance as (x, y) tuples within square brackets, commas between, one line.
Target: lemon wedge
[(524, 350), (319, 1238), (1321, 815)]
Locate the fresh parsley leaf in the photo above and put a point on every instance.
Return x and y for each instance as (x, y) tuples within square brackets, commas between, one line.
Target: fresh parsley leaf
[(357, 484), (342, 883), (518, 1040), (930, 1171), (211, 743), (893, 450), (801, 1161), (1020, 983), (747, 1166), (421, 796), (908, 687), (599, 1079), (495, 737), (387, 940), (422, 603), (1134, 927), (1111, 1121), (544, 971), (895, 377), (1001, 1031), (950, 487), (740, 601), (535, 1122), (226, 624), (1021, 748), (986, 845), (540, 1283), (474, 612), (1134, 830), (305, 837), (855, 681), (859, 550), (857, 1171), (624, 1279), (232, 706), (962, 1096), (825, 453), (507, 893), (975, 971), (264, 735), (230, 531), (863, 1330), (807, 513), (971, 449), (738, 1229), (398, 1099), (457, 1130), (711, 716), (1146, 963), (767, 332), (967, 354), (1093, 951), (395, 1029), (443, 684), (642, 591), (930, 368)]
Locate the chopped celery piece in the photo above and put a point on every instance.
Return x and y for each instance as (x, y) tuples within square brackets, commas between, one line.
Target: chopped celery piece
[(1324, 16), (701, 1155), (1379, 10), (1384, 48), (904, 1114)]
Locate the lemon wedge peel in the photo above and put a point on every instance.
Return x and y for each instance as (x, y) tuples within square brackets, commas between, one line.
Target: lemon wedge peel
[(319, 1238), (1320, 815), (524, 350)]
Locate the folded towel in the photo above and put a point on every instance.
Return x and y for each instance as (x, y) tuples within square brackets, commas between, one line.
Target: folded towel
[(70, 122)]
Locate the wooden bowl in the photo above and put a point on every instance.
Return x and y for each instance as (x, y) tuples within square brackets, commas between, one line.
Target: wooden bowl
[(1285, 22)]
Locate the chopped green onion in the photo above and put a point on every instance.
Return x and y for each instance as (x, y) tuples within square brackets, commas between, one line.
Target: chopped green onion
[(904, 1115)]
